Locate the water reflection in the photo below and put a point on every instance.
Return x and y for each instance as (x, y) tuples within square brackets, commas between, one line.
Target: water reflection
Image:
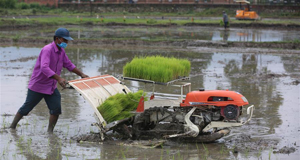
[(246, 77), (192, 33), (257, 35), (291, 63), (225, 34), (28, 148), (171, 150)]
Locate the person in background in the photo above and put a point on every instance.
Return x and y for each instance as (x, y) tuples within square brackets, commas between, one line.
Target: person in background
[(225, 20), (44, 78)]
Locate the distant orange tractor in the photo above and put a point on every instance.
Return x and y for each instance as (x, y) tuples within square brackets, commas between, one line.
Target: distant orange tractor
[(246, 13)]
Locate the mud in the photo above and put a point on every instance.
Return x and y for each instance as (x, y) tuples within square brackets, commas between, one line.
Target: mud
[(92, 138), (234, 25), (23, 59), (115, 140), (252, 25), (286, 150), (296, 82), (173, 43), (245, 143)]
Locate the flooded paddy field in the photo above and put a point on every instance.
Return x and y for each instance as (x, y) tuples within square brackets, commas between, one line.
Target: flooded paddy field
[(160, 33), (269, 79)]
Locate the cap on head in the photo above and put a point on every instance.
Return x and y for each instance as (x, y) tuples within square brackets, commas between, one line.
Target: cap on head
[(63, 33), (224, 12)]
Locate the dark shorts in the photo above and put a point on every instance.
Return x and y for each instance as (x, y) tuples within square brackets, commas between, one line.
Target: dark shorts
[(33, 98), (225, 24)]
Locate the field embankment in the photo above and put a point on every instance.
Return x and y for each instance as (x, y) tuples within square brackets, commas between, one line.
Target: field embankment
[(161, 43)]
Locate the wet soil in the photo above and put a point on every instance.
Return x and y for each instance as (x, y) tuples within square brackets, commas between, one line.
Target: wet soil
[(252, 25), (256, 25), (286, 150), (92, 137), (245, 143), (171, 43)]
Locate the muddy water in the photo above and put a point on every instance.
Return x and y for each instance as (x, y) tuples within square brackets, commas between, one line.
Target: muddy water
[(269, 81), (163, 33)]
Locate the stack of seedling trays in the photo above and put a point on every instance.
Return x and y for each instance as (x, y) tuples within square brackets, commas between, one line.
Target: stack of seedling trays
[(157, 69), (151, 69)]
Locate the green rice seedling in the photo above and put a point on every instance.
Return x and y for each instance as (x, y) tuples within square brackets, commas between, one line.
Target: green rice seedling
[(26, 123), (247, 153), (29, 141), (259, 153), (3, 152), (197, 147), (15, 156), (205, 148), (157, 68), (223, 149), (270, 153), (178, 155), (222, 23), (168, 152), (123, 154), (120, 106), (68, 129), (161, 154), (21, 139), (3, 122)]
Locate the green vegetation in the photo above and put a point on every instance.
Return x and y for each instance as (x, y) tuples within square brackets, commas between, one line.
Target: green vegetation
[(120, 106), (60, 16), (13, 8), (9, 4), (222, 23), (157, 68)]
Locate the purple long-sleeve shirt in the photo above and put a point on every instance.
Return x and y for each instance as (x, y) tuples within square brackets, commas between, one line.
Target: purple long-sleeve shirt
[(50, 62)]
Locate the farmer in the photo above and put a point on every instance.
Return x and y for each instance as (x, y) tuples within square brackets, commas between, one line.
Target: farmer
[(225, 19), (46, 74)]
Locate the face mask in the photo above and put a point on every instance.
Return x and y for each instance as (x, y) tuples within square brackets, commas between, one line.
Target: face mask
[(62, 44)]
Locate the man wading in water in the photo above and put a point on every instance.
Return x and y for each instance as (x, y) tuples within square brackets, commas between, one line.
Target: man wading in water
[(45, 76), (225, 20)]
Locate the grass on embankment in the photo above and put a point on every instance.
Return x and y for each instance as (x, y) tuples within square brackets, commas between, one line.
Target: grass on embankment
[(92, 42)]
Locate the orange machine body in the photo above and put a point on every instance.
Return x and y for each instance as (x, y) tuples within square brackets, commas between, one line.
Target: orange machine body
[(246, 15), (217, 98)]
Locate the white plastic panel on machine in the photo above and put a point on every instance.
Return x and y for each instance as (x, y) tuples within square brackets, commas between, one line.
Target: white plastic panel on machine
[(97, 89)]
